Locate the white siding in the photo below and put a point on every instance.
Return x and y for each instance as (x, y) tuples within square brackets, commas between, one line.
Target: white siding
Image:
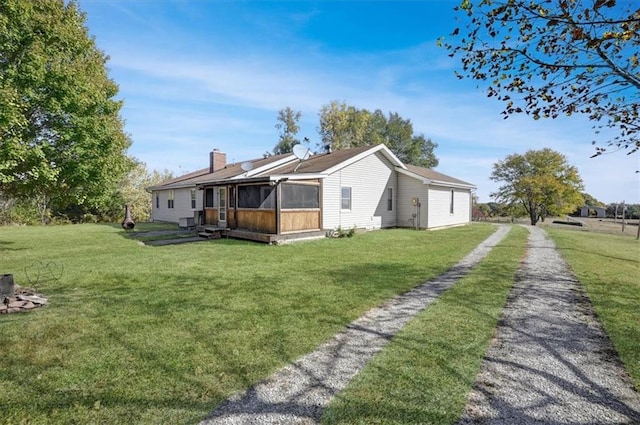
[(369, 180), (181, 205), (409, 188), (439, 206)]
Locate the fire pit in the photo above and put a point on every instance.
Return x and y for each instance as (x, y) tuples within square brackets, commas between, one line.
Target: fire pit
[(16, 299)]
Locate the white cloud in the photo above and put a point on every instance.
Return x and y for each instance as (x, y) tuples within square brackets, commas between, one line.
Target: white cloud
[(180, 105)]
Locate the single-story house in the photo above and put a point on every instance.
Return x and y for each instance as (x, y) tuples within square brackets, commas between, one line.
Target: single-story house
[(282, 197)]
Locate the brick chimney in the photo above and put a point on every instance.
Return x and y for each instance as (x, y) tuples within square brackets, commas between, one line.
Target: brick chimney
[(217, 160)]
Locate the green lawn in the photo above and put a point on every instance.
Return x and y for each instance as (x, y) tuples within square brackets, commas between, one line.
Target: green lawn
[(609, 268), (425, 373), (140, 334)]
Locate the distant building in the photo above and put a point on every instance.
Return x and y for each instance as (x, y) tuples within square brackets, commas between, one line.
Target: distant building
[(598, 212)]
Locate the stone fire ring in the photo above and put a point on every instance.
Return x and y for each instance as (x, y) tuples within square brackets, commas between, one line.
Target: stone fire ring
[(24, 299)]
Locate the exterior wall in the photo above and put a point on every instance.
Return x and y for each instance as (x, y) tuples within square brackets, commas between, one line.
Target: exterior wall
[(409, 188), (439, 203), (369, 179), (299, 220), (181, 205), (257, 220)]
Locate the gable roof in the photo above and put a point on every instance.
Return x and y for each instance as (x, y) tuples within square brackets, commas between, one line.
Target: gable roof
[(316, 166), (228, 172), (429, 176), (328, 163)]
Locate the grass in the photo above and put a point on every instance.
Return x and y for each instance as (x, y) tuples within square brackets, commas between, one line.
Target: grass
[(140, 334), (609, 268), (424, 375)]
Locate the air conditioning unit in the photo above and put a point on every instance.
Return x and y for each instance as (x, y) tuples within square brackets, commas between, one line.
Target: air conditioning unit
[(186, 222)]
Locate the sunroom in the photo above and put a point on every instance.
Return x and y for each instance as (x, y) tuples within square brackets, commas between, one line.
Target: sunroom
[(263, 209)]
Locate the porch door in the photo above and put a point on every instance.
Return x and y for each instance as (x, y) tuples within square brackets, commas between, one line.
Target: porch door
[(222, 207)]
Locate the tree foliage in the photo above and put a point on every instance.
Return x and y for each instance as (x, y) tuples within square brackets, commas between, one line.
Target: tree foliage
[(541, 181), (61, 137), (344, 127), (133, 190), (546, 58), (288, 127), (590, 201)]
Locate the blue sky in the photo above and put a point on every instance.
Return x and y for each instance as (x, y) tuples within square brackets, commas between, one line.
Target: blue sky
[(202, 74)]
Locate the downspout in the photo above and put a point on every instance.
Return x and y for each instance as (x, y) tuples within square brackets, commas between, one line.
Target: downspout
[(427, 204), (278, 209)]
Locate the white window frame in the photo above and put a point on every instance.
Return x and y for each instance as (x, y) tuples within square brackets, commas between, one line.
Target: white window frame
[(389, 199), (171, 200), (347, 199), (193, 199)]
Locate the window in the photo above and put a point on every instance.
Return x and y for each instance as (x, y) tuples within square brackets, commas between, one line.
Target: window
[(299, 196), (193, 199), (389, 199), (346, 198), (170, 200), (451, 202), (208, 197), (157, 200), (255, 196)]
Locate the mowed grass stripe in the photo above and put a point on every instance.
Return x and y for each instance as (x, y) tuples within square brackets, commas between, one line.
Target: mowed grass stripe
[(139, 334), (424, 375), (608, 266)]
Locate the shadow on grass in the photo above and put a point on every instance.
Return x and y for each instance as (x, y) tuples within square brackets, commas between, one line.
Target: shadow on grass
[(5, 246)]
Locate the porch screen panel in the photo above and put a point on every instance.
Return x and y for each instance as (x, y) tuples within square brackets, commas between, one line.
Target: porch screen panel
[(300, 196), (256, 196), (208, 197)]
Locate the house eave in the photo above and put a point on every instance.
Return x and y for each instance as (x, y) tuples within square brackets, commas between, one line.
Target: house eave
[(434, 182), (378, 148)]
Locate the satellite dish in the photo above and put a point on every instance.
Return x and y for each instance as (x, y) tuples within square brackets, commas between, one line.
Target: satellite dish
[(246, 166), (301, 152)]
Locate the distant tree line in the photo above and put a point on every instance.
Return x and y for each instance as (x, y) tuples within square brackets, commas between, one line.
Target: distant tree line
[(495, 210)]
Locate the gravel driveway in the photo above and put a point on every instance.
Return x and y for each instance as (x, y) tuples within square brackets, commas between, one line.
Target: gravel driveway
[(298, 393), (550, 361)]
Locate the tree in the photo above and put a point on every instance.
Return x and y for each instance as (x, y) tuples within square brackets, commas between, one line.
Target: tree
[(62, 139), (133, 190), (288, 126), (344, 127), (546, 58), (590, 201), (541, 181)]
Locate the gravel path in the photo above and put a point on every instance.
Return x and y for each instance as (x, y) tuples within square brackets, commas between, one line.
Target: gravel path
[(298, 393), (550, 361)]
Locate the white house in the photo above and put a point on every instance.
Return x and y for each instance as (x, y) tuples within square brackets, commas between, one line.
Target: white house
[(284, 197)]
